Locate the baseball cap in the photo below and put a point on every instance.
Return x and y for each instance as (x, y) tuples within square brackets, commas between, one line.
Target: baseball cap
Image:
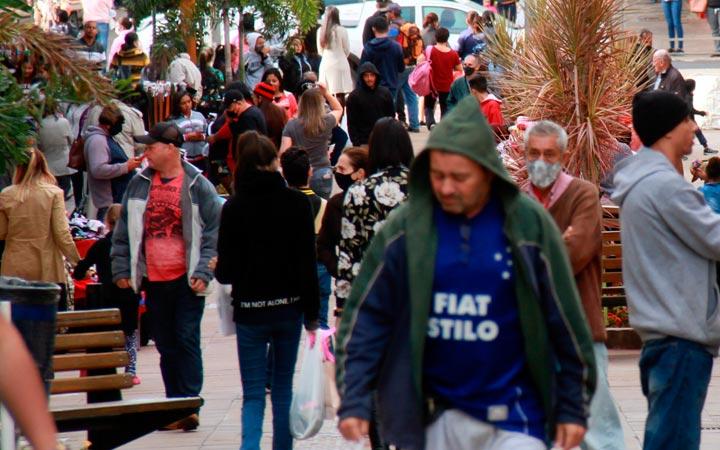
[(165, 132), (395, 8)]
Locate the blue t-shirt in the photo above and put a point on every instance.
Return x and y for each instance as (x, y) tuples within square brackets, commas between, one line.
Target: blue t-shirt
[(711, 192), (474, 351)]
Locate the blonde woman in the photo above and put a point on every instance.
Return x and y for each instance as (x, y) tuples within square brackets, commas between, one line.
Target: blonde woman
[(312, 130), (334, 48), (34, 226)]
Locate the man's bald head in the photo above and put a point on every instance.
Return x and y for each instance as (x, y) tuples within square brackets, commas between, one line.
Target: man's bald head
[(661, 60)]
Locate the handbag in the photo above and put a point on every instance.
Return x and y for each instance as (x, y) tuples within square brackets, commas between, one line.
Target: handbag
[(698, 6), (420, 79), (76, 158)]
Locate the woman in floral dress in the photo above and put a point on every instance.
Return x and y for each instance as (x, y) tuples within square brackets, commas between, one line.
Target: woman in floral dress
[(368, 202)]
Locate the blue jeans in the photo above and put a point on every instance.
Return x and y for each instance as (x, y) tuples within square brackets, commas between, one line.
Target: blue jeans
[(102, 36), (675, 374), (252, 341), (411, 100), (324, 282), (321, 181), (508, 11), (604, 428), (339, 139), (713, 18), (673, 13), (175, 314)]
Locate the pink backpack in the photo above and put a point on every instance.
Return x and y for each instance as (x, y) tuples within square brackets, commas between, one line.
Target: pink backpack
[(420, 79)]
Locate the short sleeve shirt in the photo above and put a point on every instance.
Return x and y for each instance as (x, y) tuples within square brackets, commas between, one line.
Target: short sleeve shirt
[(443, 64), (164, 242), (316, 146)]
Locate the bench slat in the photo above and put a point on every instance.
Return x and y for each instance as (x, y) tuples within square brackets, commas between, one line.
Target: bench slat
[(81, 341), (91, 318), (611, 263), (612, 277), (133, 406), (611, 236), (62, 363), (92, 383), (613, 301), (612, 250)]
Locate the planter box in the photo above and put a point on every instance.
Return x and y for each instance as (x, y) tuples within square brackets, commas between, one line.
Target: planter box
[(623, 338)]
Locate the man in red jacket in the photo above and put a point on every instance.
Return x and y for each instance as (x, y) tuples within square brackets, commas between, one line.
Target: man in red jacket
[(489, 104)]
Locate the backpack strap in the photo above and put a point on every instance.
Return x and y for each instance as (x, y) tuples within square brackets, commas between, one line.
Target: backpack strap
[(83, 116)]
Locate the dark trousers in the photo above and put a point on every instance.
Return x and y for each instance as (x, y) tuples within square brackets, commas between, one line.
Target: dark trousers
[(675, 374), (175, 314), (78, 179), (508, 11), (430, 107)]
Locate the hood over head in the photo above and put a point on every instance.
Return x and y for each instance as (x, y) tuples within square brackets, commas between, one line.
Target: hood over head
[(464, 131), (252, 40), (364, 68), (629, 172), (382, 44)]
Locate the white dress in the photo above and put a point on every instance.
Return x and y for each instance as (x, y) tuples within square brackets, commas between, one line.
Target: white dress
[(334, 66)]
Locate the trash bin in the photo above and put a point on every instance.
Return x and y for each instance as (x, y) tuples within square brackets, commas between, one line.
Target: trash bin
[(34, 314)]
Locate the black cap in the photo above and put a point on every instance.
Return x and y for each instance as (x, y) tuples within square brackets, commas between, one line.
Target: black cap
[(656, 113), (165, 132), (232, 96)]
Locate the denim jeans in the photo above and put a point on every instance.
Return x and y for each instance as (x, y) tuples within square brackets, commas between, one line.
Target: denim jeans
[(713, 18), (324, 282), (701, 137), (339, 139), (430, 107), (321, 181), (604, 428), (675, 374), (103, 30), (508, 11), (411, 100), (175, 314), (673, 17), (252, 341)]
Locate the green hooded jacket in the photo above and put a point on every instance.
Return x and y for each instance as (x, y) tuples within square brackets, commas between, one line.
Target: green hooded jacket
[(381, 335)]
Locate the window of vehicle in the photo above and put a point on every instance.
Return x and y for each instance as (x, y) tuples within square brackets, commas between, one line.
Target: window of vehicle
[(450, 18), (408, 13)]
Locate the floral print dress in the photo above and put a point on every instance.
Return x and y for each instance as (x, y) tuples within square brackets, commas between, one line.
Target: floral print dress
[(365, 208)]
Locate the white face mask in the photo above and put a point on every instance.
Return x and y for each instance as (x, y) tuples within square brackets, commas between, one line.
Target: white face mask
[(542, 174)]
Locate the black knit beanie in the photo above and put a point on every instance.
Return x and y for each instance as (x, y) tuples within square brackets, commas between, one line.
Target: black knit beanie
[(656, 113)]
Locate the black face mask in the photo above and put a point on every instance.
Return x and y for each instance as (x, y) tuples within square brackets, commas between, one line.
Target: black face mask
[(344, 180), (468, 71), (116, 128), (231, 114)]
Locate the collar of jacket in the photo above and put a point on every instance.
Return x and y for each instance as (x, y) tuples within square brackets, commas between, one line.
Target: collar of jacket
[(190, 171)]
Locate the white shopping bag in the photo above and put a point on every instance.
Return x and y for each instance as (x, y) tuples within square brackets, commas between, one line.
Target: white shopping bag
[(308, 407), (220, 295)]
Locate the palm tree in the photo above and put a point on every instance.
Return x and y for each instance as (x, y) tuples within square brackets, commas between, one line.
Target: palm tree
[(577, 67), (71, 79)]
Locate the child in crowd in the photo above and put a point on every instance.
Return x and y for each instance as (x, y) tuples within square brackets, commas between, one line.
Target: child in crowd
[(711, 189), (113, 297), (690, 87)]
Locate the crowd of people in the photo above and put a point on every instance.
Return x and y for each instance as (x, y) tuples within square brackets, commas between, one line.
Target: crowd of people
[(441, 260)]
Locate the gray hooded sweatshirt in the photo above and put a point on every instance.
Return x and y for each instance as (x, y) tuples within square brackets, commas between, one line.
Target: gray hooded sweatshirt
[(671, 240)]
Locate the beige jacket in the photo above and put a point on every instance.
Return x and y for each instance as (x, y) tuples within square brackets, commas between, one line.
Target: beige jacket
[(36, 234)]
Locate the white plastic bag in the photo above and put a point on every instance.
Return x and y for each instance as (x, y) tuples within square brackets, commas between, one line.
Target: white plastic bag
[(220, 295), (308, 407)]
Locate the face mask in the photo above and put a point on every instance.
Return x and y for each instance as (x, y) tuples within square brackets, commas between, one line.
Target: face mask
[(542, 174), (344, 180), (468, 71), (231, 114), (116, 128)]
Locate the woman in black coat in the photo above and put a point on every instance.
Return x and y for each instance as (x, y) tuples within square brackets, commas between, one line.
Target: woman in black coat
[(293, 65), (266, 250)]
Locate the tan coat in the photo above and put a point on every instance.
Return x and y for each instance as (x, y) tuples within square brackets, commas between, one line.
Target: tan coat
[(36, 234)]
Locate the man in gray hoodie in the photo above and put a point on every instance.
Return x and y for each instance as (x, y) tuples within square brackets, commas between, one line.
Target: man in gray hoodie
[(671, 240)]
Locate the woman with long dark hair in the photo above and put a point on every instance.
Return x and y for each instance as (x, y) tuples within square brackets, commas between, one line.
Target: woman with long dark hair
[(266, 250), (294, 64), (282, 98), (194, 128), (334, 49)]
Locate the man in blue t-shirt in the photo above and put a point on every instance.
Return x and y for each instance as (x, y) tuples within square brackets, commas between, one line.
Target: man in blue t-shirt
[(464, 321)]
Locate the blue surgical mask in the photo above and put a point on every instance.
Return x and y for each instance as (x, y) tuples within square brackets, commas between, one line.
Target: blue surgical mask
[(543, 174)]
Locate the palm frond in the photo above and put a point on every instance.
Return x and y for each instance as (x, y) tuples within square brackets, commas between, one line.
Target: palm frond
[(576, 66)]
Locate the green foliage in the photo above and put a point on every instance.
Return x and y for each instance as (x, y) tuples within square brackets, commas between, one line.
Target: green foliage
[(18, 5), (15, 129)]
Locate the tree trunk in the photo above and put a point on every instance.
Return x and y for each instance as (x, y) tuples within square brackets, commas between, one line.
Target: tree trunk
[(187, 9), (228, 53), (241, 45)]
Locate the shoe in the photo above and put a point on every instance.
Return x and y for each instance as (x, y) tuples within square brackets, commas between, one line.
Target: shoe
[(189, 423), (709, 151), (680, 51), (671, 50), (413, 130)]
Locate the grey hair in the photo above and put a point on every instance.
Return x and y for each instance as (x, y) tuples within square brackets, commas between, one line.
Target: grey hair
[(548, 128), (662, 53)]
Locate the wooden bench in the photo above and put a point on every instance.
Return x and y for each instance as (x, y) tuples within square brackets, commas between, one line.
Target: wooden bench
[(613, 292), (94, 347)]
